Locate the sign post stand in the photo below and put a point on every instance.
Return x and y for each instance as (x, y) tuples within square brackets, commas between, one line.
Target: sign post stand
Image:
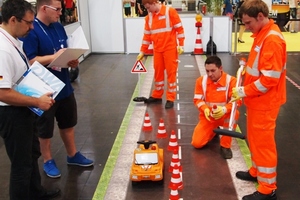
[(139, 68)]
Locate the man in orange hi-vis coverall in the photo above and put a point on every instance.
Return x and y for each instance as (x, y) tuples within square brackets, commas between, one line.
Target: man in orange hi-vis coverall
[(264, 92), (162, 28), (212, 96)]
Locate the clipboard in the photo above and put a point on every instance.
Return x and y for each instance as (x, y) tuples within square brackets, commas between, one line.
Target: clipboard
[(77, 46), (68, 55)]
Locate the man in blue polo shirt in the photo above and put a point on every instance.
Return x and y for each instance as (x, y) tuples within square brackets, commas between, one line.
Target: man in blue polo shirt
[(44, 43)]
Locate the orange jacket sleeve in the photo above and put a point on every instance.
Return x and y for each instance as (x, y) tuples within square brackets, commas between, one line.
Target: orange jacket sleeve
[(270, 64), (199, 95), (177, 25)]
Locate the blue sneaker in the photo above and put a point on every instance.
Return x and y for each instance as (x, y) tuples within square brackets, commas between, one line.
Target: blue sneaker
[(51, 170), (80, 160)]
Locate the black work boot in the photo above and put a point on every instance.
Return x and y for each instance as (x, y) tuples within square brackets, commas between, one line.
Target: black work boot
[(153, 100), (226, 153), (246, 176), (169, 104), (259, 196)]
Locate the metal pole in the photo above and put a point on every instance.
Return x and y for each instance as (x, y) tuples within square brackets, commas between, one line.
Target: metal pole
[(211, 35), (235, 37), (139, 84)]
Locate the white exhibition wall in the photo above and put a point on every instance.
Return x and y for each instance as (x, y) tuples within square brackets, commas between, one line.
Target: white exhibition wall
[(134, 29), (108, 32), (106, 26)]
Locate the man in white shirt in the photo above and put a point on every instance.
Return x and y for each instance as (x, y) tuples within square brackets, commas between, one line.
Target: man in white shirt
[(17, 122)]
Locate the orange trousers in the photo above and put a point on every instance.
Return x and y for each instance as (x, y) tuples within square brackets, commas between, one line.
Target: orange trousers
[(261, 138), (167, 60), (203, 132)]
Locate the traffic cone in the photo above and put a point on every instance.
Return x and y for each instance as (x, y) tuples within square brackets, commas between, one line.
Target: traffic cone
[(147, 124), (161, 133), (149, 51), (176, 181), (175, 161), (173, 144), (174, 194), (198, 50)]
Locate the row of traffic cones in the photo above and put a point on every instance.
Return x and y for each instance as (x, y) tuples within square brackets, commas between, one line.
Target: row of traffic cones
[(175, 166), (161, 133), (176, 179)]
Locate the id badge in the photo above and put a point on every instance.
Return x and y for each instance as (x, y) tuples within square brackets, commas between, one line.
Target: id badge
[(56, 68)]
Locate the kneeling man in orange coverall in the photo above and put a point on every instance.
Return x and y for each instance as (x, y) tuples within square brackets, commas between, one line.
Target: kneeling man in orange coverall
[(213, 90)]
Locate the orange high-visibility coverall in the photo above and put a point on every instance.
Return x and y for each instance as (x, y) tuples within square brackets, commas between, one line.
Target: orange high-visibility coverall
[(207, 94), (265, 89), (163, 29)]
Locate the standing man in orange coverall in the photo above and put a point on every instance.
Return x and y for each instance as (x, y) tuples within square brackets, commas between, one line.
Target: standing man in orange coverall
[(214, 88), (162, 28), (264, 91)]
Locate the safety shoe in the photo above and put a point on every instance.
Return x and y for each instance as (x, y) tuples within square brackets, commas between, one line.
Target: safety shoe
[(153, 100), (246, 176), (285, 28), (259, 196), (45, 194), (79, 160), (51, 170), (226, 153), (169, 104)]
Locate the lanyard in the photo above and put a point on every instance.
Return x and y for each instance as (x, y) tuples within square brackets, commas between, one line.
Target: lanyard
[(21, 54), (61, 45)]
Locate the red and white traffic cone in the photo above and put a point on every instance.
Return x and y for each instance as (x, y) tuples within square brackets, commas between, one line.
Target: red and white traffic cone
[(174, 194), (147, 124), (161, 133), (176, 180), (173, 144), (198, 50), (175, 161)]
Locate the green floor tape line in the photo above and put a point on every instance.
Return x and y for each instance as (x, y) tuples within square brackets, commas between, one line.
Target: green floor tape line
[(112, 158), (244, 149)]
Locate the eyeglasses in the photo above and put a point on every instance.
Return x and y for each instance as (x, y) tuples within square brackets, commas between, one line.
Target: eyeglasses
[(53, 8), (27, 22)]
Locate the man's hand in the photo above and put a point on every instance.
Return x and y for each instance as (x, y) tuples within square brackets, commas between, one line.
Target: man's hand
[(219, 112), (73, 63), (180, 50), (206, 113), (45, 101), (140, 56), (237, 93), (242, 62)]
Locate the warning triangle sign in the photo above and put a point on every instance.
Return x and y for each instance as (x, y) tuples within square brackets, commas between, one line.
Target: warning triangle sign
[(138, 67)]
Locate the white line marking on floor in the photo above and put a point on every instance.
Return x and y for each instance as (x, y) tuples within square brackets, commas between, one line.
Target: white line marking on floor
[(179, 153), (179, 134), (293, 82)]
